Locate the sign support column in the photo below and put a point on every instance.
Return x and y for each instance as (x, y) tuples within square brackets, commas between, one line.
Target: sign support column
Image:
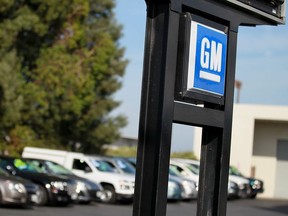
[(156, 114)]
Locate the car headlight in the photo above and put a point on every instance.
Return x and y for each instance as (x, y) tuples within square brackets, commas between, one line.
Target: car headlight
[(232, 185), (57, 186), (80, 187), (172, 184), (256, 184), (20, 188), (188, 186)]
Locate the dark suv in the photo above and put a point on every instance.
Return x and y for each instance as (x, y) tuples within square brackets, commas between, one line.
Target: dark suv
[(52, 189)]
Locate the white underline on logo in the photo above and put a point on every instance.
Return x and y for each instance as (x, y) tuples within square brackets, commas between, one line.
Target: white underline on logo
[(209, 76)]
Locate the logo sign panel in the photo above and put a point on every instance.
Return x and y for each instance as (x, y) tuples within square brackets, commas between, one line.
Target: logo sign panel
[(207, 59)]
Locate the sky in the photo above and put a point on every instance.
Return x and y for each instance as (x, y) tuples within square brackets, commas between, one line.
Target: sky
[(261, 66)]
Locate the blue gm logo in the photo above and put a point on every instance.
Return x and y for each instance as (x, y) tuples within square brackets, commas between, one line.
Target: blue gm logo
[(207, 59)]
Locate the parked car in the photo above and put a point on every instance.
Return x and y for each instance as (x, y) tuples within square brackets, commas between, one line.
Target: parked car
[(52, 189), (237, 187), (86, 190), (12, 191), (188, 188), (32, 189), (117, 186), (181, 169), (256, 185), (233, 190), (193, 165), (174, 191), (110, 169), (122, 165)]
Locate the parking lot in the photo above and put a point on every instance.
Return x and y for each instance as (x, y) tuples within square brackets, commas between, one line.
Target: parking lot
[(245, 207)]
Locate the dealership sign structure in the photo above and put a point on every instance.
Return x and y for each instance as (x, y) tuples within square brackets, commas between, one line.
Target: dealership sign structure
[(190, 58), (207, 59)]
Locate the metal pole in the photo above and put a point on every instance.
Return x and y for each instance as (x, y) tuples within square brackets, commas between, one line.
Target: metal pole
[(215, 149), (156, 114)]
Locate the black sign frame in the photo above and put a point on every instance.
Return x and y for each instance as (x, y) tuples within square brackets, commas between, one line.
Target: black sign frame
[(183, 94)]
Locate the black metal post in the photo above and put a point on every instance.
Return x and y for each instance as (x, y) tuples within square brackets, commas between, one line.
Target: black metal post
[(227, 130), (208, 185), (156, 114), (215, 149)]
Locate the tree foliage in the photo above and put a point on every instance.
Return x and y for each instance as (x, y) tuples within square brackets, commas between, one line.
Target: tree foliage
[(60, 65)]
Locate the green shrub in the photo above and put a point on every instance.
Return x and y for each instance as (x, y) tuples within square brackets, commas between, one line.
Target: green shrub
[(185, 155), (124, 151)]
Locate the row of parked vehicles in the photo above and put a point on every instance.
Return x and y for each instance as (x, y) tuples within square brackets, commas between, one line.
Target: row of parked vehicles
[(44, 176)]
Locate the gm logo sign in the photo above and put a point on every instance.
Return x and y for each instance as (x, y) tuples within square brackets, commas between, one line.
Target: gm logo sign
[(207, 59)]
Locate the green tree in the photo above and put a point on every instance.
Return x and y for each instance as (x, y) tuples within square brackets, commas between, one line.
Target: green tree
[(66, 63)]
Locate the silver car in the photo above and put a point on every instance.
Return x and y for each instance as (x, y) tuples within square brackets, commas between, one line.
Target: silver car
[(12, 191), (176, 190), (189, 187)]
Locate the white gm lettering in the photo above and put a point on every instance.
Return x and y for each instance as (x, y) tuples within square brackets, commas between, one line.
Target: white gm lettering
[(211, 55)]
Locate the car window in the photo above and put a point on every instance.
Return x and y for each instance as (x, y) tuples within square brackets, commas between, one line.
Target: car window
[(125, 166), (5, 165), (81, 165), (103, 166), (174, 171), (26, 166), (39, 165), (132, 161), (193, 168), (57, 168), (179, 171)]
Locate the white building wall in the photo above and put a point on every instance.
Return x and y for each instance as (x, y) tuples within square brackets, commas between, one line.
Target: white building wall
[(197, 141), (264, 157), (255, 129), (242, 139)]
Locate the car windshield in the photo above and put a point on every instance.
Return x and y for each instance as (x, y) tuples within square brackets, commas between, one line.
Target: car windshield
[(26, 166), (103, 166), (194, 168), (57, 168), (173, 171), (132, 161), (125, 166)]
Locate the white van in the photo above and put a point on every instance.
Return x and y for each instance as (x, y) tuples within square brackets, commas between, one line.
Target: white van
[(118, 186)]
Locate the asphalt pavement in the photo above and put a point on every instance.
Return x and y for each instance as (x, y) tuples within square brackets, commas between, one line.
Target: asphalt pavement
[(248, 207)]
